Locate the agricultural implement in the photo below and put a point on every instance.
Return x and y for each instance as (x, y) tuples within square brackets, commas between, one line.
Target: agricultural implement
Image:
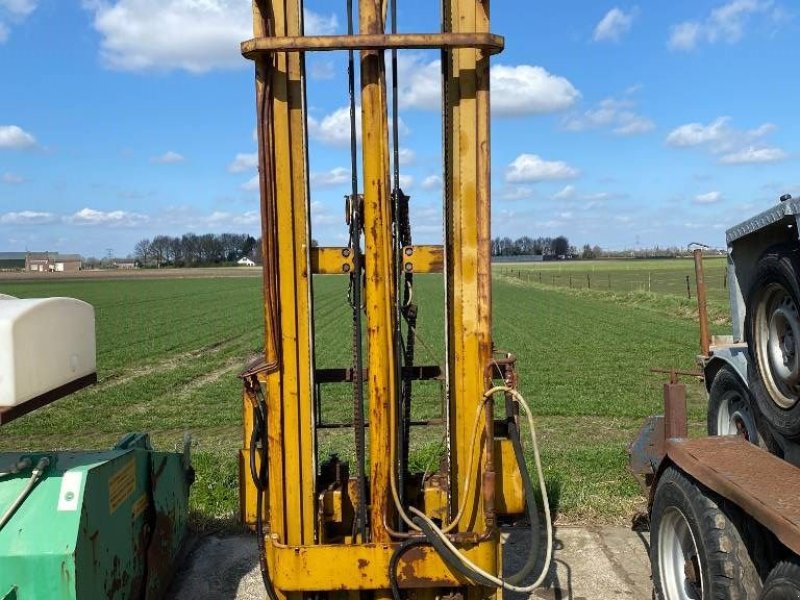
[(79, 524), (724, 516), (370, 526)]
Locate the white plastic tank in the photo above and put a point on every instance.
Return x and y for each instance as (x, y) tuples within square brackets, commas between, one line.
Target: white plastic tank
[(45, 343)]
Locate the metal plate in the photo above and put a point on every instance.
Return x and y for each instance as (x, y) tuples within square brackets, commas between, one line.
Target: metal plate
[(763, 485), (768, 217)]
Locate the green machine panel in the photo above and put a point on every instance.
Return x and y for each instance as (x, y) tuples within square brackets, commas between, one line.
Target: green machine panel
[(96, 525)]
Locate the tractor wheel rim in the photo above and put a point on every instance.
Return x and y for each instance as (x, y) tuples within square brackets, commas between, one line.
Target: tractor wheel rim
[(679, 564), (733, 417), (778, 345), (724, 418)]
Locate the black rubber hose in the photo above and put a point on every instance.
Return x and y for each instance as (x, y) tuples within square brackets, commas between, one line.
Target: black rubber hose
[(259, 479), (395, 560), (530, 498), (449, 557)]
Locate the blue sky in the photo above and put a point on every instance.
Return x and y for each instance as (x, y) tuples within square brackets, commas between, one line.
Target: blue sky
[(615, 123)]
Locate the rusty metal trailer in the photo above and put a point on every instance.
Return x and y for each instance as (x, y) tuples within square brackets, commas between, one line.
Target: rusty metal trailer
[(724, 516)]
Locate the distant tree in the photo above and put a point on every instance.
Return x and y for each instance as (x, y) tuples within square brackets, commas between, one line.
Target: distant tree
[(142, 251), (561, 246)]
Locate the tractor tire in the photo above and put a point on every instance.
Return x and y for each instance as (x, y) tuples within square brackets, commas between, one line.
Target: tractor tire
[(696, 550), (772, 328), (730, 407), (783, 582)]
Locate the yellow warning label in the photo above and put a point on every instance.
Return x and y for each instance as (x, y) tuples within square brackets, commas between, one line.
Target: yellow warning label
[(139, 506), (121, 485)]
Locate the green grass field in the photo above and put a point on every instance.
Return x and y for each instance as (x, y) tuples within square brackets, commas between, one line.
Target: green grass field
[(169, 351)]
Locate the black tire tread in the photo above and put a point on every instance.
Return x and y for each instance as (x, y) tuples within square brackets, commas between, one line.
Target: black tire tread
[(725, 380), (779, 263), (732, 573), (783, 582)]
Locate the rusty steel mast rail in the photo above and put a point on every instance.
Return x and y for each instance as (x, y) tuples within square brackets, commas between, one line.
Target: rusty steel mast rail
[(488, 42)]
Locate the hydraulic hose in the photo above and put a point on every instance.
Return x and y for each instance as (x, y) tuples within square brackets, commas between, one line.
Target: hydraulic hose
[(36, 475), (530, 498), (395, 560), (259, 475), (461, 563)]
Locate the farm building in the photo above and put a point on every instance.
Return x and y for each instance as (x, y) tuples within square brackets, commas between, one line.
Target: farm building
[(12, 261), (46, 262), (125, 263), (245, 262)]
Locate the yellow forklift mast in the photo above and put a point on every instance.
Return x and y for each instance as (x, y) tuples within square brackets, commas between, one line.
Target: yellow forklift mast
[(374, 527)]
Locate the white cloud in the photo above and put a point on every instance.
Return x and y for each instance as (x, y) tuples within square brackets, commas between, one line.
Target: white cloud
[(617, 114), (529, 168), (251, 184), (321, 70), (527, 90), (243, 162), (516, 90), (697, 134), (316, 24), (432, 182), (14, 137), (512, 193), (114, 218), (334, 129), (13, 178), (420, 84), (568, 192), (15, 12), (334, 177), (168, 158), (709, 198), (614, 25), (685, 36), (732, 146), (19, 8), (753, 155), (220, 219), (406, 182), (725, 23), (27, 217), (406, 156), (192, 35)]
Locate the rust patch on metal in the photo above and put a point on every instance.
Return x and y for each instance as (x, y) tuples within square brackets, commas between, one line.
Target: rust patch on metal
[(763, 485)]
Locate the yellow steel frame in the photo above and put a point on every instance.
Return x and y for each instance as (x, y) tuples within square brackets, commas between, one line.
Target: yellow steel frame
[(297, 559)]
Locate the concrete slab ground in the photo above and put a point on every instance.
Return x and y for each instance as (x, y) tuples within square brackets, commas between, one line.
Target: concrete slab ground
[(602, 563)]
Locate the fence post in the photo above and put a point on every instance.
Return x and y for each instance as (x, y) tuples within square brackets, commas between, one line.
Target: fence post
[(649, 282), (554, 279), (588, 281), (725, 279), (688, 288), (609, 281), (540, 277), (570, 280)]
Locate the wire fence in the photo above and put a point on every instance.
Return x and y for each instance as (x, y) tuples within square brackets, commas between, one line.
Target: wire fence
[(675, 282)]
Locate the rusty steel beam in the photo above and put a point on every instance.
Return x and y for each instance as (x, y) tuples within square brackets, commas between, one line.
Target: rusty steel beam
[(702, 304), (379, 289), (489, 42), (366, 567), (675, 422), (762, 485), (331, 261), (423, 259)]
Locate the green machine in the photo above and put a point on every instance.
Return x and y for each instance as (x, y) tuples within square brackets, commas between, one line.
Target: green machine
[(80, 525)]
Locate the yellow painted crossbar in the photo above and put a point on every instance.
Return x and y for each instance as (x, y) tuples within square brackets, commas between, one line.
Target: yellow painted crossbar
[(366, 566)]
